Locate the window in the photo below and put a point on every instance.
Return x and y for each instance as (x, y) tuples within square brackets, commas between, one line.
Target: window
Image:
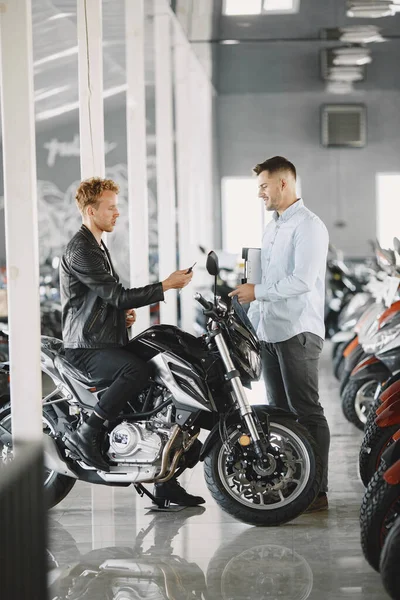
[(258, 7), (243, 214), (387, 208)]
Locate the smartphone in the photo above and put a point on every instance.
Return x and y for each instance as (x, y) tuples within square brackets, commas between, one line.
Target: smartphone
[(191, 268)]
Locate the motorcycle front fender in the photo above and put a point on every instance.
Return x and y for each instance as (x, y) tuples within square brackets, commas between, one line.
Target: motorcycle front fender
[(214, 434), (342, 336), (392, 475)]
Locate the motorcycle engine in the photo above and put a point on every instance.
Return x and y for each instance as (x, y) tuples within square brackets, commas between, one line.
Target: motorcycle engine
[(133, 443)]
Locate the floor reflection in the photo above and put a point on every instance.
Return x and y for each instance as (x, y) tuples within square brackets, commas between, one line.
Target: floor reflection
[(150, 569)]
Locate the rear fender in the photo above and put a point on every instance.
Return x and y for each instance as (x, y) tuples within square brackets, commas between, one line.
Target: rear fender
[(390, 391), (214, 434), (370, 368), (351, 347), (391, 400), (392, 475), (390, 416)]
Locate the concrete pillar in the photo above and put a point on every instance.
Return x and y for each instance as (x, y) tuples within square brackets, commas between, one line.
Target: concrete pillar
[(21, 223), (165, 161), (137, 154)]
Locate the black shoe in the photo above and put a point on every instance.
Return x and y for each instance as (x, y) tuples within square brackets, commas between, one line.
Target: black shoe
[(174, 492), (86, 443)]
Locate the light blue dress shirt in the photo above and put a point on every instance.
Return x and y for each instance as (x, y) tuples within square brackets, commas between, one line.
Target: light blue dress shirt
[(291, 296)]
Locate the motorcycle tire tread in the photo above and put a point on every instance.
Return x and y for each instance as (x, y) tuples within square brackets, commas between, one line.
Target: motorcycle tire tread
[(375, 442), (348, 402), (378, 500), (389, 563)]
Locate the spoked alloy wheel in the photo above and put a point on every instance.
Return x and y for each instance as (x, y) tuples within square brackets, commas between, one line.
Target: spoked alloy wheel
[(271, 485), (271, 491), (365, 399), (56, 486), (7, 452)]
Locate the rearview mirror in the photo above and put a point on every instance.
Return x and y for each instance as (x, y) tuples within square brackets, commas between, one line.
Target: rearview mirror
[(212, 265), (396, 245)]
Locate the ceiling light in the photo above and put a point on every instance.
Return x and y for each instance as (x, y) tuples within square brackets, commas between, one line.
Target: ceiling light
[(61, 16), (229, 42), (372, 9), (43, 94), (351, 56), (360, 34), (60, 110), (339, 87), (242, 7), (56, 56), (345, 74)]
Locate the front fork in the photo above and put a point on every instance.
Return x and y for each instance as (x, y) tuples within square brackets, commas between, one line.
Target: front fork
[(246, 411)]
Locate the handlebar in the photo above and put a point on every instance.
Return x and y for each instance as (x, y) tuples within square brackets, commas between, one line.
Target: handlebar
[(207, 305)]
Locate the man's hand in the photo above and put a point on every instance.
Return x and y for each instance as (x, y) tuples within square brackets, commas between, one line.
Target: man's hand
[(244, 293), (130, 317), (177, 280)]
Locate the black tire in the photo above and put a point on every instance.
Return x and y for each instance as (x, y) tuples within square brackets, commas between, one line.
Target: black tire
[(335, 349), (372, 415), (349, 401), (375, 442), (57, 486), (389, 564), (339, 360), (338, 367), (267, 517), (377, 509)]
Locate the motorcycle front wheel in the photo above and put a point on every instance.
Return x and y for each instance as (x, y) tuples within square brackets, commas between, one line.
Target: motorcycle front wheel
[(269, 492)]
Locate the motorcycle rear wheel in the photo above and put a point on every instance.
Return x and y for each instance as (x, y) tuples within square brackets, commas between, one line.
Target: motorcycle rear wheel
[(264, 501), (56, 486)]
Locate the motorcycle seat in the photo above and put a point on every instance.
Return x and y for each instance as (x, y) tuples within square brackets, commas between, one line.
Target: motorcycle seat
[(66, 368)]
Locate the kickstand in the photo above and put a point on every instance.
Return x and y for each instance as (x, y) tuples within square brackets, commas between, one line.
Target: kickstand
[(158, 503)]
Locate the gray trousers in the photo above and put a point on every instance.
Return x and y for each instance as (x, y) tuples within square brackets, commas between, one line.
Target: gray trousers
[(290, 370)]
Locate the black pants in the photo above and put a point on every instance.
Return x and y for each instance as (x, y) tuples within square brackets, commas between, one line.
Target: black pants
[(128, 372), (290, 370)]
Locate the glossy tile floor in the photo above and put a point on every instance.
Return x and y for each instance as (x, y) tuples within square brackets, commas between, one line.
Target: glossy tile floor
[(105, 544)]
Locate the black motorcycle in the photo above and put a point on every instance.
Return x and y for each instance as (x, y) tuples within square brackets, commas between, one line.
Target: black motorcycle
[(261, 466)]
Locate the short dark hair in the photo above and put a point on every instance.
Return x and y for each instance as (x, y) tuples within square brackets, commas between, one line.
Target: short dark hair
[(275, 164)]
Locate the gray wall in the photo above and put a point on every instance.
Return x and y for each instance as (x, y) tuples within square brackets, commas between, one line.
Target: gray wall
[(270, 95), (337, 184)]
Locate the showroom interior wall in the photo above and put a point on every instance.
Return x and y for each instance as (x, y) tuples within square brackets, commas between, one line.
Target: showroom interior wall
[(270, 94)]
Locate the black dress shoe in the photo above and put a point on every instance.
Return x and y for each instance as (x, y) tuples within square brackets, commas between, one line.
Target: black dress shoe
[(85, 442), (174, 492)]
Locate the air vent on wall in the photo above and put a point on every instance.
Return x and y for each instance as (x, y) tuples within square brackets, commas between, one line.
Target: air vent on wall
[(344, 125)]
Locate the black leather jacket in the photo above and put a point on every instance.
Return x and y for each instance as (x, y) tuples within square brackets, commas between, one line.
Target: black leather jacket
[(93, 301)]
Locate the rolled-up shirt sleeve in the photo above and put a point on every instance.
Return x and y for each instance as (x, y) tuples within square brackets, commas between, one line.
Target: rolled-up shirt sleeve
[(310, 251)]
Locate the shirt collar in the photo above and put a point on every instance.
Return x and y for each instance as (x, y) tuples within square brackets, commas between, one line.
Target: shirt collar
[(289, 212)]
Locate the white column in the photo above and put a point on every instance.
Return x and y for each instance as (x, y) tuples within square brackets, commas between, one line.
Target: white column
[(91, 113), (165, 163), (21, 224), (137, 153), (185, 141)]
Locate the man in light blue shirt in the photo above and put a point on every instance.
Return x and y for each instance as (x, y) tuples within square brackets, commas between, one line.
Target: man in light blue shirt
[(287, 307)]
